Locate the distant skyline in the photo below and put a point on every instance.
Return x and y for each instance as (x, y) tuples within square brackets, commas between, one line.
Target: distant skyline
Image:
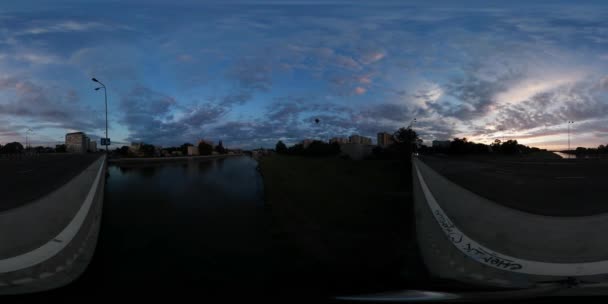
[(251, 74)]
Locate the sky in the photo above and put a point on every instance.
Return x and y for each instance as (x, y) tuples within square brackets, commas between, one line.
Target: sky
[(252, 73)]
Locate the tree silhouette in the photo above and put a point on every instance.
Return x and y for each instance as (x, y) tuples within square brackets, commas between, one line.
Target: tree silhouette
[(281, 147), (147, 150), (12, 148), (205, 148)]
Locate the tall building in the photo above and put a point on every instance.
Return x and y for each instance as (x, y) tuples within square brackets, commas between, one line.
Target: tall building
[(339, 140), (385, 139), (358, 139), (92, 146), (354, 139), (307, 142), (76, 142), (192, 150)]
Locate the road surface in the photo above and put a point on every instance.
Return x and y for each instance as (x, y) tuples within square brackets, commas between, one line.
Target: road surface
[(467, 237), (575, 187), (29, 178)]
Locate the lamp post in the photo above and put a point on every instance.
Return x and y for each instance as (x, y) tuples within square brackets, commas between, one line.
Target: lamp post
[(569, 123), (105, 94), (27, 144)]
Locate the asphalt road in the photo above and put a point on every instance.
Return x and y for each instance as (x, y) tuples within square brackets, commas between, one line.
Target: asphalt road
[(574, 187), (29, 178)]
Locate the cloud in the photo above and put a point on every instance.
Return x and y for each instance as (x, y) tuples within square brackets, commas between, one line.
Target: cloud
[(185, 58), (66, 26), (237, 98), (252, 73), (37, 58), (46, 105), (202, 115), (154, 117), (372, 57), (360, 90)]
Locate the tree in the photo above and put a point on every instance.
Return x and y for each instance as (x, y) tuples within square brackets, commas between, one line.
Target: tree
[(123, 151), (220, 148), (297, 149), (405, 135), (281, 147), (147, 150), (12, 148), (205, 148), (510, 147), (60, 148), (319, 148), (496, 145), (406, 141)]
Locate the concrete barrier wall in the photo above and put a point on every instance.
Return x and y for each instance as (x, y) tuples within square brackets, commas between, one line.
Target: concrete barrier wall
[(50, 242)]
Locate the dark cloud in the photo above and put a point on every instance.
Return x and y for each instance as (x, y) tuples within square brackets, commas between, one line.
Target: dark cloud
[(580, 102), (474, 96), (237, 98), (390, 111), (252, 73), (44, 105), (203, 115), (148, 115), (291, 119)]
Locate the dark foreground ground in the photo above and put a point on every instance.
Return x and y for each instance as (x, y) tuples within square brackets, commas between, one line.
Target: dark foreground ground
[(554, 187), (349, 225), (29, 178)]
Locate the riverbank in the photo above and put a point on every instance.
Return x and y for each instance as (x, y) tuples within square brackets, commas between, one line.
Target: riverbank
[(348, 225), (168, 159)]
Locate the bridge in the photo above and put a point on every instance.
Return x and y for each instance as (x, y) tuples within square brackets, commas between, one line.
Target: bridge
[(49, 219)]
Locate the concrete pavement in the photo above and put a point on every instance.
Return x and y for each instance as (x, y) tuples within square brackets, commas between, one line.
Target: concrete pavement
[(29, 178), (49, 242), (469, 238), (575, 187)]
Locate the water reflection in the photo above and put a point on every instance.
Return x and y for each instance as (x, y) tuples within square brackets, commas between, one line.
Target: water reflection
[(200, 221)]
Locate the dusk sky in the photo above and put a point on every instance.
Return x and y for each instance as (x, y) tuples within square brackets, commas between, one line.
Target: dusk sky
[(251, 74)]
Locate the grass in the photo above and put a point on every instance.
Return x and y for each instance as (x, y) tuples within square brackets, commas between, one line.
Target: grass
[(345, 226)]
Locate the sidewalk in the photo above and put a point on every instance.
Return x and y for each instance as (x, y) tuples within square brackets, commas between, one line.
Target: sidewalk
[(468, 238)]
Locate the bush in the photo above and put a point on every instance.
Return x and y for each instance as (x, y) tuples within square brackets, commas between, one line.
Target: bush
[(12, 148), (319, 148), (60, 148), (147, 150), (314, 149)]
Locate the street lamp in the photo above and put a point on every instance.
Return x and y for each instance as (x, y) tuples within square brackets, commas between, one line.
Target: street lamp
[(105, 94), (27, 138), (569, 123)]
